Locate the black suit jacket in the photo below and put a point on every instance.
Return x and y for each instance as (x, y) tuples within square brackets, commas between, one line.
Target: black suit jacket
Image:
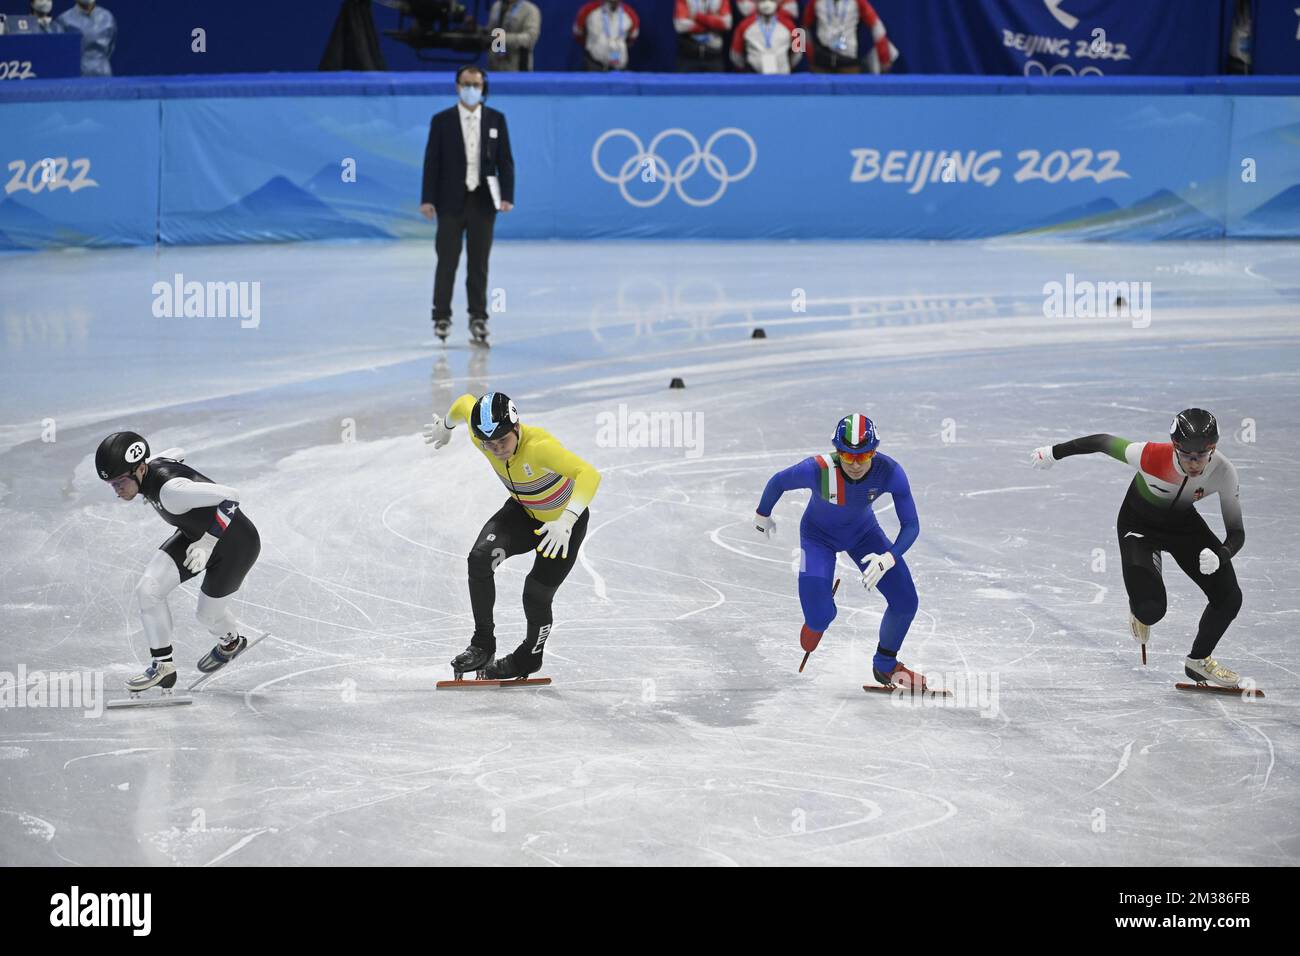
[(444, 159)]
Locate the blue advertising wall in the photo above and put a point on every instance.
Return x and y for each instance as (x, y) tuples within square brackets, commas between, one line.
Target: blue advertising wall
[(256, 159)]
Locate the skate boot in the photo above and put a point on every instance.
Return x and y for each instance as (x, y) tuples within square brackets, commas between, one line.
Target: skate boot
[(157, 674), (471, 660), (1140, 631), (1210, 671), (902, 677), (478, 332), (809, 640), (503, 668), (441, 328), (222, 653)]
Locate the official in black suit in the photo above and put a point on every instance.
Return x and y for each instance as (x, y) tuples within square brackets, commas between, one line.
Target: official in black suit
[(456, 191)]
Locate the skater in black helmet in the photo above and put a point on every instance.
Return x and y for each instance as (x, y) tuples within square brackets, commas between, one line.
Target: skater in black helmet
[(213, 537), (1158, 515)]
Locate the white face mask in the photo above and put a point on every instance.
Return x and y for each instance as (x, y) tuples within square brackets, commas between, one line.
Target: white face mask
[(43, 7), (471, 95), (767, 7)]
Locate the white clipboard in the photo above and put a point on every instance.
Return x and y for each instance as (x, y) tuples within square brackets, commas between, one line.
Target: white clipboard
[(494, 187)]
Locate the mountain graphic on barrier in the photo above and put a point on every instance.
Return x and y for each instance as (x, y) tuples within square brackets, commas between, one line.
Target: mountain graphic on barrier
[(278, 211), (1277, 217), (1162, 215), (384, 194), (22, 227)]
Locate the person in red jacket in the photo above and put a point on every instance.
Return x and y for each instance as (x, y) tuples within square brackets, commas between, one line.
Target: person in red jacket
[(606, 29), (702, 27), (833, 27), (764, 42)]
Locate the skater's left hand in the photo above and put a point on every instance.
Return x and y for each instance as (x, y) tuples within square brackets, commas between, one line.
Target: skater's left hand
[(198, 554), (876, 566), (1209, 561), (557, 535)]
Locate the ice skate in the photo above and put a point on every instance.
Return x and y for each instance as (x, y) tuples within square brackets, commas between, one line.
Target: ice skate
[(1210, 671), (222, 654), (160, 675), (503, 668), (471, 660), (442, 328), (478, 332), (157, 674), (1140, 631), (902, 677)]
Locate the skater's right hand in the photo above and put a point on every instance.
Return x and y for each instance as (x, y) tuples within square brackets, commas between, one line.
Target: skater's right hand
[(764, 524), (1042, 457), (427, 211), (437, 433)]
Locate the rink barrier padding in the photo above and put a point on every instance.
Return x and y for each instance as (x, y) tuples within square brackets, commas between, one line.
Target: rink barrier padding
[(282, 157)]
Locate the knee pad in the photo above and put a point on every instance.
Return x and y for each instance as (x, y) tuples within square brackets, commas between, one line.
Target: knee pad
[(150, 593), (481, 563)]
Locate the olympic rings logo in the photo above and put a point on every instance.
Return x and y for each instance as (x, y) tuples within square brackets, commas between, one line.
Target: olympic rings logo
[(1059, 69), (647, 159)]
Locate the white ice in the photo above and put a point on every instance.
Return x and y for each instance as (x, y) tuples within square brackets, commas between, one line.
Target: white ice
[(677, 730)]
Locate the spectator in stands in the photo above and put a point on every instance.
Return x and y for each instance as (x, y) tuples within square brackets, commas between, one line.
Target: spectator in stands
[(42, 11), (702, 30), (521, 23), (764, 41), (833, 26), (98, 31), (790, 8), (606, 28)]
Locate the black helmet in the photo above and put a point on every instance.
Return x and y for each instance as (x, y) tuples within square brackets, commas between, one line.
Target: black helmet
[(1194, 430), (119, 453), (493, 416)]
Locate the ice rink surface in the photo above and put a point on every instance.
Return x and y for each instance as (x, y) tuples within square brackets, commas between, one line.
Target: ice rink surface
[(678, 730)]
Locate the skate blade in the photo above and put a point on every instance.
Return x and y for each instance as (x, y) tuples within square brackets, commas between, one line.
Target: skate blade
[(1246, 692), (905, 691), (171, 700), (509, 682)]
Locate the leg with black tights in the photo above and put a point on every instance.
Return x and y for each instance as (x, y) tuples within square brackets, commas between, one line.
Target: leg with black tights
[(1140, 561), (507, 533), (539, 590), (1220, 588)]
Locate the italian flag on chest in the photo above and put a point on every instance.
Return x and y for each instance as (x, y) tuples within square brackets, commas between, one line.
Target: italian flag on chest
[(832, 479)]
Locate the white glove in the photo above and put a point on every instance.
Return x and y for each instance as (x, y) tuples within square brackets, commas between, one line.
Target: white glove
[(877, 565), (764, 524), (1042, 457), (1209, 561), (556, 535), (437, 433), (199, 553)]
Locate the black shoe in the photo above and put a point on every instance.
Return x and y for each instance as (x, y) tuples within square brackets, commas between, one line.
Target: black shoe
[(478, 332), (503, 668), (471, 660), (441, 327)]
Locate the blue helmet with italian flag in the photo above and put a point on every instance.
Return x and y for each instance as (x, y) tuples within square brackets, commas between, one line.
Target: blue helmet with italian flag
[(856, 434)]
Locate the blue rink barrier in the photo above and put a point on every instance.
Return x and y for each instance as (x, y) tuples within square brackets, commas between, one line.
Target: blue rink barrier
[(309, 156)]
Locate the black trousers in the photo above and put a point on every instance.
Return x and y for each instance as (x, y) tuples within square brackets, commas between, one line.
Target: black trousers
[(473, 229), (236, 551), (507, 533), (1141, 542)]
